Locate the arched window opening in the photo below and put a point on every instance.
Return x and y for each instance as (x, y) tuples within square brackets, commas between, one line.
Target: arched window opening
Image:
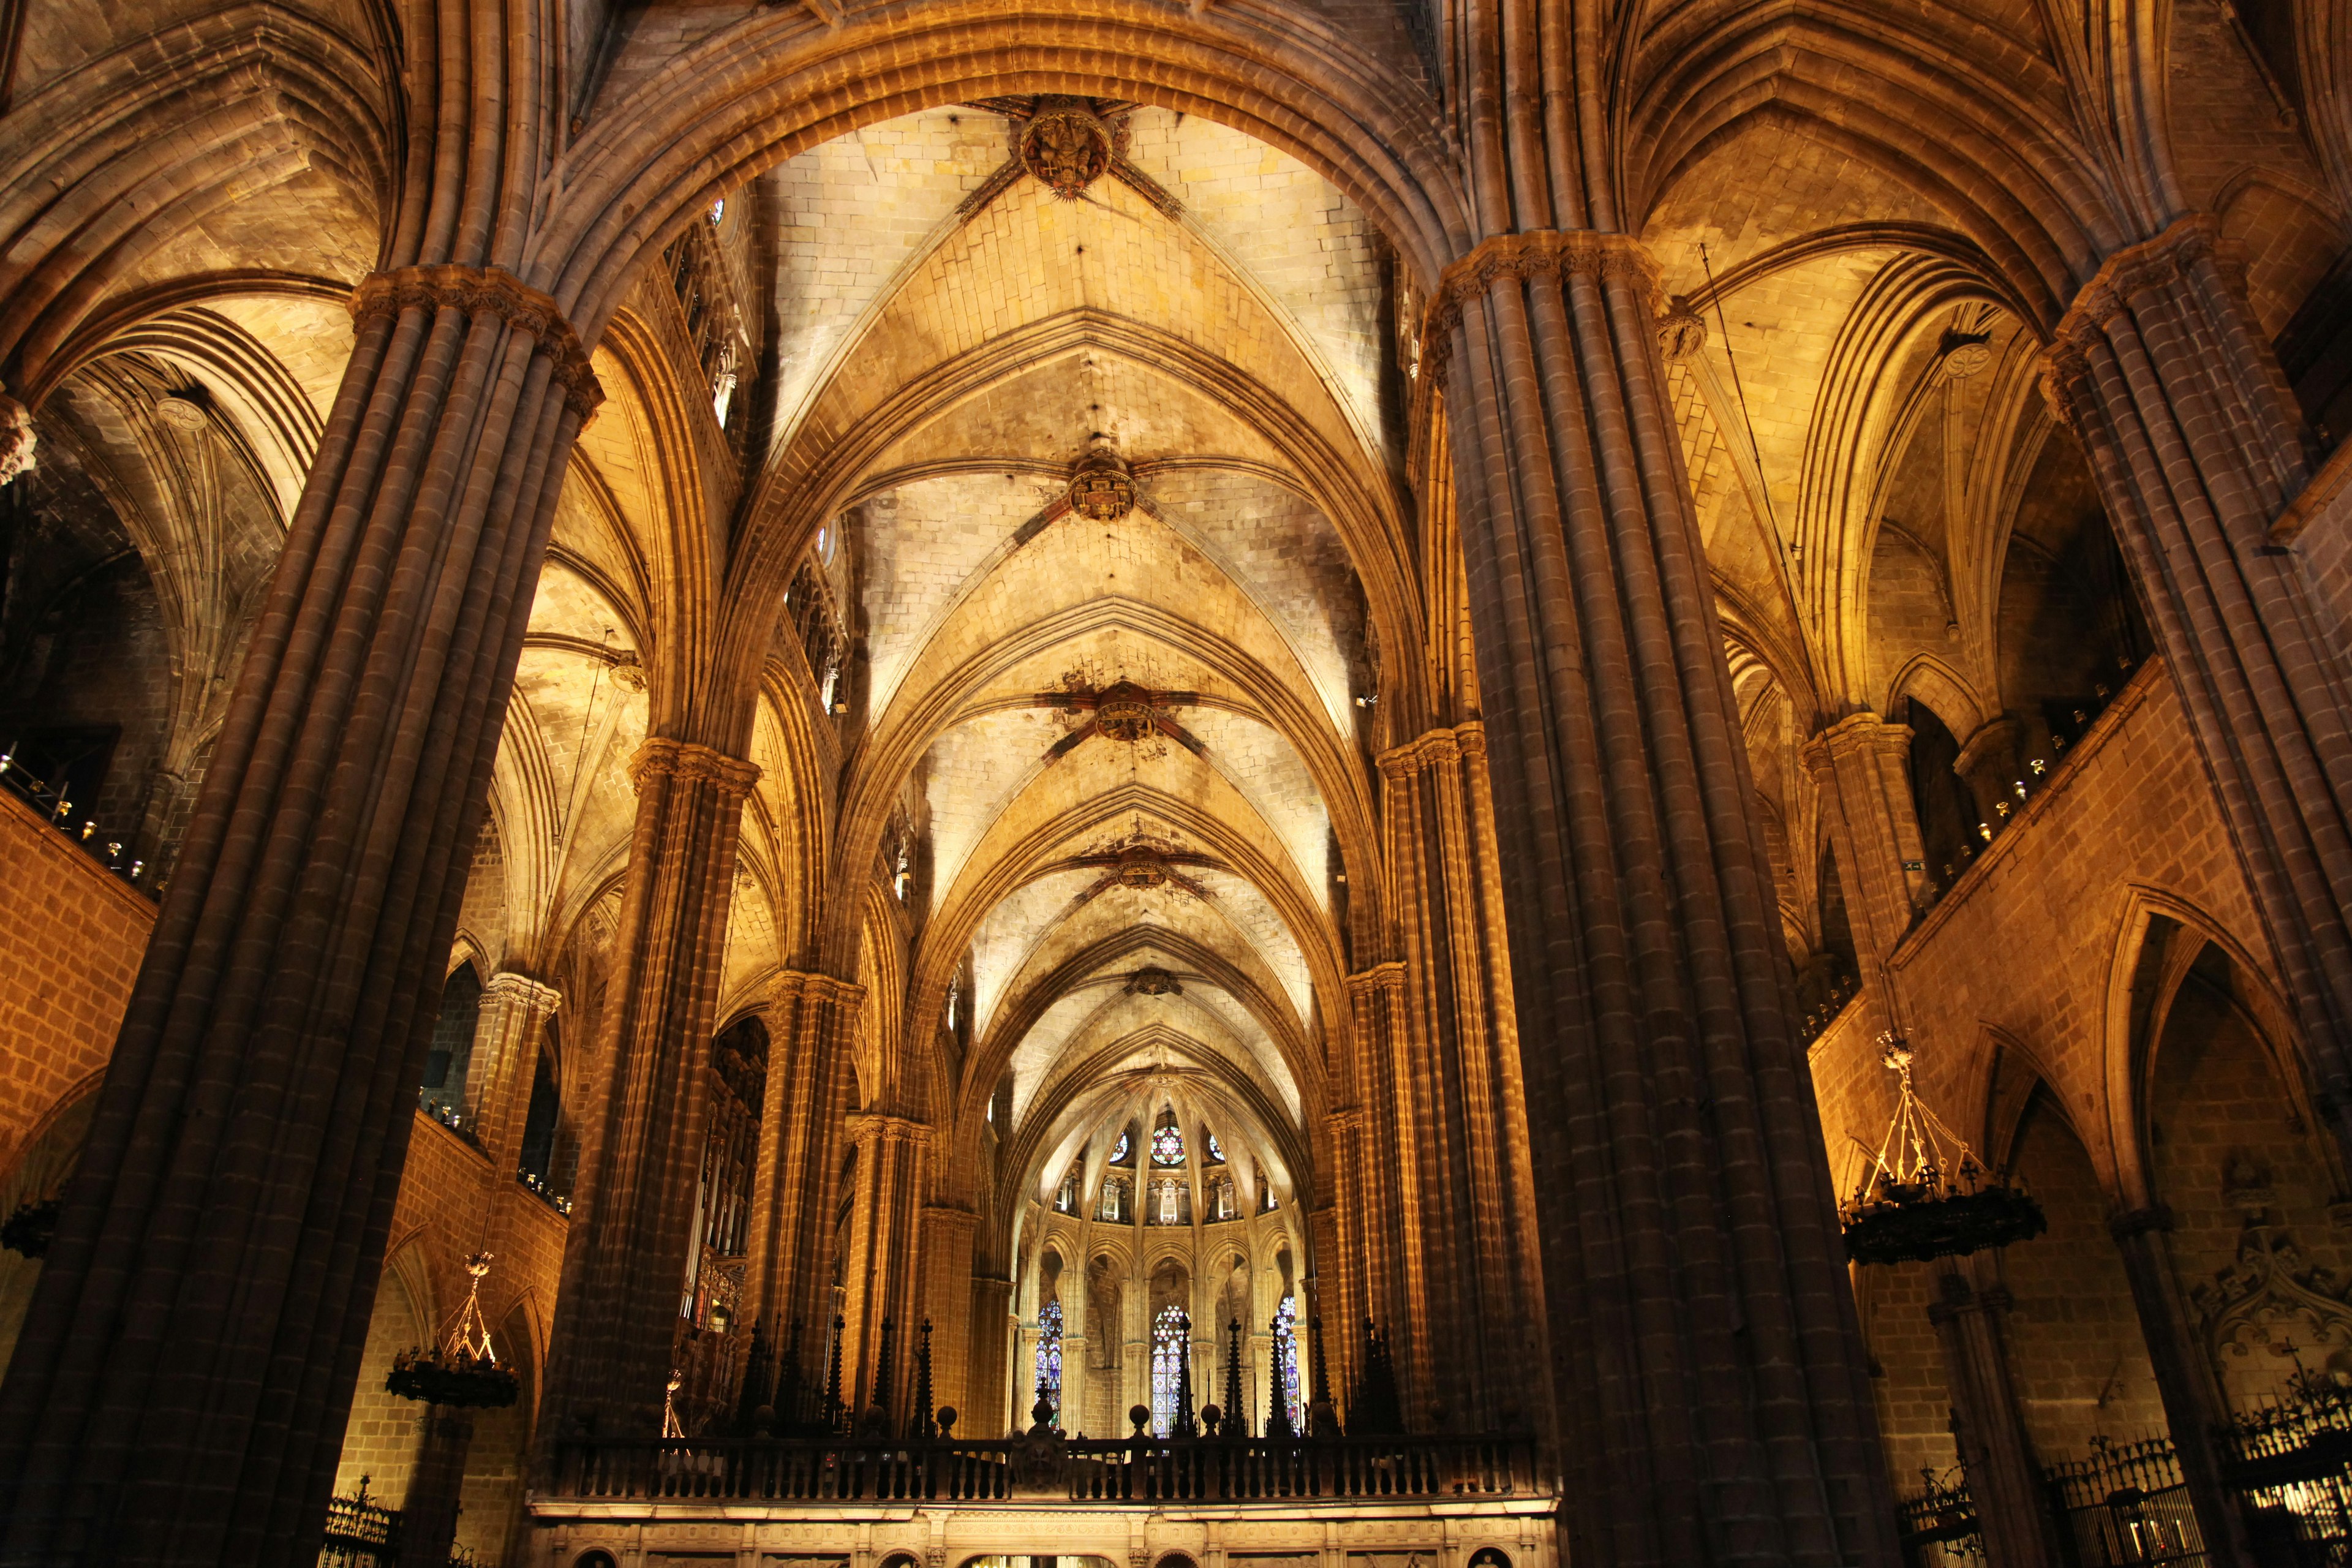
[(1946, 812), (1049, 1357), (1226, 1205), (442, 1092), (1216, 1150), (1168, 1331), (1065, 1199), (1172, 1202), (1113, 1206), (1286, 1357), (1123, 1151), (1267, 1203), (1167, 1143), (535, 1166)]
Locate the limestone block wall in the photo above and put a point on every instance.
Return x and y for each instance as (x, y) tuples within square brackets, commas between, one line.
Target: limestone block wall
[(2021, 955), (2017, 993), (73, 944)]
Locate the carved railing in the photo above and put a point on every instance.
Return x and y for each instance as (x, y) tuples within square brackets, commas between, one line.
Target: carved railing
[(361, 1533), (1084, 1470)]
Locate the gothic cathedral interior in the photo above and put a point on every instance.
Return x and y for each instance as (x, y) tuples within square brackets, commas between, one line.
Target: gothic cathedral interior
[(1176, 783)]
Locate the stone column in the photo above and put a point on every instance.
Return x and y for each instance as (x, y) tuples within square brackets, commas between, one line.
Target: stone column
[(513, 1020), (617, 1320), (880, 1269), (946, 1239), (989, 1389), (1342, 1234), (1860, 765), (185, 1370), (1990, 765), (1710, 1379), (2003, 1479), (2194, 1408), (1412, 1245), (1453, 1078), (428, 1517), (2195, 442), (795, 1188)]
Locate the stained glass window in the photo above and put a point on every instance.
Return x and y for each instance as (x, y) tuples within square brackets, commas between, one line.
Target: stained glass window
[(1118, 1150), (1049, 1357), (1286, 1350), (1216, 1150), (1166, 1143), (1166, 1366)]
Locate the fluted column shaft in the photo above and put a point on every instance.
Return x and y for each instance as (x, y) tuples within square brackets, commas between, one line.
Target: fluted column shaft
[(1455, 1073), (1711, 1381), (880, 1269), (506, 1035), (2194, 1408), (1385, 1222), (988, 1390), (428, 1515), (180, 1390), (2194, 437), (946, 1236), (1859, 763), (617, 1320), (1349, 1219), (2004, 1482), (795, 1188)]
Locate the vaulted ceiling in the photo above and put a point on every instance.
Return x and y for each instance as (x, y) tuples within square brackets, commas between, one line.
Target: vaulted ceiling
[(1102, 746)]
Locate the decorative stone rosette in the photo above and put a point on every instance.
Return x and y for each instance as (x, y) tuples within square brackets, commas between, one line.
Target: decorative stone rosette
[(1067, 145), (1101, 486)]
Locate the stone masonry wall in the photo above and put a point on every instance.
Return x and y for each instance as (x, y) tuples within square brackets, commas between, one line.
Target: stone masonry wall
[(76, 936)]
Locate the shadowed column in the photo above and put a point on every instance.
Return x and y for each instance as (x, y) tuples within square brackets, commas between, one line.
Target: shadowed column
[(2195, 441), (180, 1391), (1453, 1078), (2194, 1408), (515, 1011), (1714, 1398), (1859, 763), (2012, 1508), (617, 1317), (788, 1275)]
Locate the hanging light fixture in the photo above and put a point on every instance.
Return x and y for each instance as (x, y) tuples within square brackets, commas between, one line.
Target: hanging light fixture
[(463, 1370), (1925, 1196)]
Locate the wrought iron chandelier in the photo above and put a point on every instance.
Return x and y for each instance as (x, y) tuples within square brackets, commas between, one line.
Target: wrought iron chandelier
[(463, 1369), (1917, 1201)]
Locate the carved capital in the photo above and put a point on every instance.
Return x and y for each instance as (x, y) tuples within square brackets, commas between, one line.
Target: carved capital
[(532, 998), (660, 756), (880, 1127), (1380, 977), (1420, 754), (493, 290), (2162, 264), (1993, 742), (1532, 253), (1856, 734)]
